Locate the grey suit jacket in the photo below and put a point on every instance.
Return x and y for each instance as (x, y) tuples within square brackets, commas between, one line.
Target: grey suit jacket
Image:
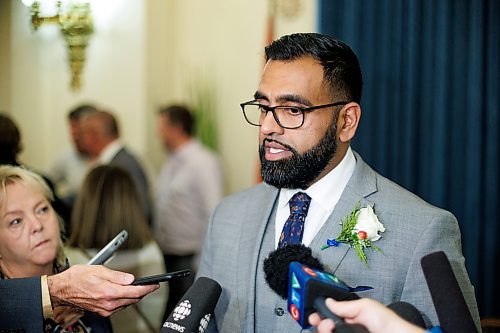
[(234, 249), (127, 161), (21, 305)]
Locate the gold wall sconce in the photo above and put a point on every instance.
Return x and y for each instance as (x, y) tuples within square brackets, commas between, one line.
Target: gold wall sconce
[(75, 21)]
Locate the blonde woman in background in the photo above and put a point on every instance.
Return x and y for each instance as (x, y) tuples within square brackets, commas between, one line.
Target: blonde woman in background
[(108, 202), (31, 245)]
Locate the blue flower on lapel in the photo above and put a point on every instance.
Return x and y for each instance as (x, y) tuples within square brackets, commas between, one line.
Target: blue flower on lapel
[(360, 228)]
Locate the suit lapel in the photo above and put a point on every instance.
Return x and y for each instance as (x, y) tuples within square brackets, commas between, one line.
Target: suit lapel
[(256, 220), (361, 185)]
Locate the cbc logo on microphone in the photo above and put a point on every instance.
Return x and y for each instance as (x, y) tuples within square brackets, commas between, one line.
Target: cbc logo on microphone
[(182, 310), (204, 323)]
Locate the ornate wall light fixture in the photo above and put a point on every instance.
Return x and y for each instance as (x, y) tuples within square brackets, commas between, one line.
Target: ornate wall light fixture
[(75, 20)]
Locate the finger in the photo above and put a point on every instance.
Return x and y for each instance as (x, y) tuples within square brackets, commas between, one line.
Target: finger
[(345, 309), (129, 291), (314, 319), (326, 326), (67, 318), (116, 276), (62, 311), (70, 320), (108, 307)]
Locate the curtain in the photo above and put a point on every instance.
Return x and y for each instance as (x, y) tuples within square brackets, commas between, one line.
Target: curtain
[(430, 104)]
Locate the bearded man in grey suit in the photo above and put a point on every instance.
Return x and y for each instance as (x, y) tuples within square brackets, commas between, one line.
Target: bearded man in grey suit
[(307, 108)]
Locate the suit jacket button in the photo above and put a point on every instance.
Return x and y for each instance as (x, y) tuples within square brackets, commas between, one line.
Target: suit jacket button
[(279, 311)]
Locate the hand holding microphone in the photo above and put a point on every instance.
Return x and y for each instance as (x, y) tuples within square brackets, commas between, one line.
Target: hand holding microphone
[(451, 307), (294, 274), (367, 312)]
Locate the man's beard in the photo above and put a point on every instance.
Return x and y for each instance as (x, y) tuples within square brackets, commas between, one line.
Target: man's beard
[(300, 170)]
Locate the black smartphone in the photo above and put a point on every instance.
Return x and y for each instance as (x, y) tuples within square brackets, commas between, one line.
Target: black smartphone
[(155, 279)]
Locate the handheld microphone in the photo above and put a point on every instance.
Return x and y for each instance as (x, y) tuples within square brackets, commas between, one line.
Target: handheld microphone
[(403, 309), (294, 274), (408, 312), (451, 308), (195, 309)]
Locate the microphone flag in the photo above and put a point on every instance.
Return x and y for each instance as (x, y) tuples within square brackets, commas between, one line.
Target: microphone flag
[(305, 284)]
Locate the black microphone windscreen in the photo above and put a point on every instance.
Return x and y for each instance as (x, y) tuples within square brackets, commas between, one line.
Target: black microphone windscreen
[(276, 265), (451, 308), (408, 312), (195, 309)]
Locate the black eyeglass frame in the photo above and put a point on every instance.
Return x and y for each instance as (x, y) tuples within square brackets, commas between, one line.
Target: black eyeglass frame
[(272, 108)]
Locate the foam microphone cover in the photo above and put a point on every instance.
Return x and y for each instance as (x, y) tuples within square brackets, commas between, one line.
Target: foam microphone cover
[(195, 309), (276, 265), (452, 311), (408, 312)]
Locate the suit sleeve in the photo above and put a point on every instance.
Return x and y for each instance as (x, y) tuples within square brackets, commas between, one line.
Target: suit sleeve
[(205, 269), (21, 304), (441, 234)]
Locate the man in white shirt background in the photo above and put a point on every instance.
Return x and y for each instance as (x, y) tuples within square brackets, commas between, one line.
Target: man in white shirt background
[(189, 187)]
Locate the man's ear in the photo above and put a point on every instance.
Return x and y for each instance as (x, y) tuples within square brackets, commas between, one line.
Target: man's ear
[(349, 117)]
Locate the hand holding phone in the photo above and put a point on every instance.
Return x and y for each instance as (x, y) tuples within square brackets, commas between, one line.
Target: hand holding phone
[(155, 279)]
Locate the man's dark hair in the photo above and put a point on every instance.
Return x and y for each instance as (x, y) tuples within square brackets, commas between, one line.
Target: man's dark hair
[(180, 115), (108, 122), (340, 65), (78, 112)]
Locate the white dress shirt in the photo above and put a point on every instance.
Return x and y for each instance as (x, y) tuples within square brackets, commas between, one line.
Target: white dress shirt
[(68, 173), (190, 185), (109, 152), (324, 194)]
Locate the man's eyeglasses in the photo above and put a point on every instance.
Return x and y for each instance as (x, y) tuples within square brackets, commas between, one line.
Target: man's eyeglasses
[(289, 117)]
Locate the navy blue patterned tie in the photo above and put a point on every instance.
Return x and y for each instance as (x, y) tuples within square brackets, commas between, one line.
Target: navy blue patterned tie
[(294, 226)]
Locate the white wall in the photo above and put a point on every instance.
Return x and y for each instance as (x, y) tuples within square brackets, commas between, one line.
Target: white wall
[(144, 54), (114, 77)]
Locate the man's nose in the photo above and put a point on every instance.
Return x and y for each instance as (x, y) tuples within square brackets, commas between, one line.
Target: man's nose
[(270, 125)]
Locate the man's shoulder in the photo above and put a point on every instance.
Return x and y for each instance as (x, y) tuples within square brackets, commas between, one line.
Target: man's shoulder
[(202, 151), (125, 157), (399, 196), (388, 193), (68, 159), (255, 195), (123, 153)]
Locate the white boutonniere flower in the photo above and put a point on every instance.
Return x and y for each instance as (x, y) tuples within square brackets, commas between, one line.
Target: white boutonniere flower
[(359, 229), (368, 226)]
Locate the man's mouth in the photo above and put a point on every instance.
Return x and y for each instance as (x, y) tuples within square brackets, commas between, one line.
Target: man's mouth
[(275, 151)]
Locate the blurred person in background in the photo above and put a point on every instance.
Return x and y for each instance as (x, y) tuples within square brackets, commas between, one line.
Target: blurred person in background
[(69, 169), (100, 139), (108, 202), (31, 245), (11, 147), (189, 187)]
